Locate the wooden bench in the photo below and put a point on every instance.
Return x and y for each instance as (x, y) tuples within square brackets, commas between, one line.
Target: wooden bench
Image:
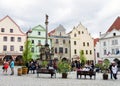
[(85, 73), (46, 71)]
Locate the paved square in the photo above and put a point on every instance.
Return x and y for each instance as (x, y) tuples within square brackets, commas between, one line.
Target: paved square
[(45, 80)]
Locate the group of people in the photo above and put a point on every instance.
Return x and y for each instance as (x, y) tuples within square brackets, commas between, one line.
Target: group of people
[(7, 64), (33, 65), (77, 65), (113, 70)]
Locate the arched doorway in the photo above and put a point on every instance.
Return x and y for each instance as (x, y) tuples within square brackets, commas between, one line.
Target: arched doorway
[(7, 57), (18, 60), (64, 59)]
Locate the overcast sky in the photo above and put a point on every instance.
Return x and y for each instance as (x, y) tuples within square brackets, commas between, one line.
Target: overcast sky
[(96, 15)]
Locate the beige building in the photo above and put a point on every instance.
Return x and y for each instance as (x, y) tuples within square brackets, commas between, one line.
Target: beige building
[(11, 39), (80, 39), (60, 42)]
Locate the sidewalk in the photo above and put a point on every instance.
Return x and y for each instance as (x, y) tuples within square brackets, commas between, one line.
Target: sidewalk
[(45, 80)]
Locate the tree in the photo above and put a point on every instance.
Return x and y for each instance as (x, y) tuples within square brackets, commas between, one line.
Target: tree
[(27, 54), (82, 58)]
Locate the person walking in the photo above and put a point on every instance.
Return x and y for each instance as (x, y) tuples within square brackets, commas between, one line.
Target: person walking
[(114, 70), (12, 66), (110, 69), (5, 66)]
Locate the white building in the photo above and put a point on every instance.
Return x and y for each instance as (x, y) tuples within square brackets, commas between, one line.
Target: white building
[(81, 39), (11, 39), (110, 42)]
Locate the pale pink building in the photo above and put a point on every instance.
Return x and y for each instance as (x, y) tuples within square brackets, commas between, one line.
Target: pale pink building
[(11, 39)]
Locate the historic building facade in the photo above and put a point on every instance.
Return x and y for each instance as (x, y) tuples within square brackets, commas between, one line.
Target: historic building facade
[(80, 39), (11, 39), (38, 38), (110, 42), (60, 42)]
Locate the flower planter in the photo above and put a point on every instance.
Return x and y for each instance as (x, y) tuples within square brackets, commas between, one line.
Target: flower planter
[(19, 71), (64, 75), (105, 76), (24, 70)]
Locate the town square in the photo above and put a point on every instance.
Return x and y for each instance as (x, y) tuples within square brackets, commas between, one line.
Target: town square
[(46, 80), (59, 42)]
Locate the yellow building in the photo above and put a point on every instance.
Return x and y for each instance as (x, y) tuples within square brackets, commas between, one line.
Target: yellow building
[(80, 39)]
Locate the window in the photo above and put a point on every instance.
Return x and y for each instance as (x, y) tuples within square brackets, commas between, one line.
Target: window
[(104, 43), (87, 43), (60, 50), (75, 52), (75, 35), (21, 48), (11, 30), (55, 50), (113, 51), (11, 48), (114, 34), (78, 32), (83, 43), (32, 49), (69, 41), (64, 41), (2, 29), (105, 52), (60, 33), (86, 52), (74, 42), (5, 38), (114, 42), (39, 41), (12, 39), (57, 41), (39, 33), (98, 54), (90, 52), (19, 39), (5, 48), (66, 51), (32, 41), (82, 32)]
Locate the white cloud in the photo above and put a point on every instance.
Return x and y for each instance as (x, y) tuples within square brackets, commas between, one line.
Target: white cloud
[(96, 15)]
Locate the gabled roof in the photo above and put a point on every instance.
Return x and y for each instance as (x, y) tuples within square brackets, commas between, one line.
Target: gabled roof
[(95, 41), (11, 21), (115, 25), (38, 27)]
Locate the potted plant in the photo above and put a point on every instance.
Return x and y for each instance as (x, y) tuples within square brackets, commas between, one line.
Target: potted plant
[(64, 67), (106, 64), (27, 55)]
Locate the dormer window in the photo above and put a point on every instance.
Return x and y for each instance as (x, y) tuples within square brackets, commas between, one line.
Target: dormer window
[(114, 34), (75, 35), (39, 33)]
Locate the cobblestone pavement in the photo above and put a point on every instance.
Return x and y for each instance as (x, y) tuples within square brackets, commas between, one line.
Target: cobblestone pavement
[(45, 80)]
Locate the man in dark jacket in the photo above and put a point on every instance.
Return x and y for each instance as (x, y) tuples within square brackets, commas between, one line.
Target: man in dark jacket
[(110, 68)]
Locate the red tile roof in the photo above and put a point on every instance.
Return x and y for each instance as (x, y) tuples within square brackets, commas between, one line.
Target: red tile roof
[(51, 32), (95, 41), (115, 25)]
